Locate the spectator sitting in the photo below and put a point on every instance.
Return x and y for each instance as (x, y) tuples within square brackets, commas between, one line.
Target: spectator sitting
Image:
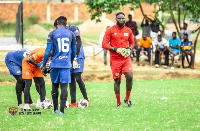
[(187, 49), (161, 47), (145, 43), (186, 31), (104, 50), (174, 45)]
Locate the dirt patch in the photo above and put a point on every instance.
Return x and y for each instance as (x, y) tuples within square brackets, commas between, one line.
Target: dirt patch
[(36, 28), (98, 78), (170, 75), (89, 27)]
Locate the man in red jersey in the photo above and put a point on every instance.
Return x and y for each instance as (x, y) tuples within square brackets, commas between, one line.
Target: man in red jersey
[(121, 42)]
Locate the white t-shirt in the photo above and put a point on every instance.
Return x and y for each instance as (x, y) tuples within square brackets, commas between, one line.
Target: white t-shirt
[(101, 38), (189, 32), (162, 43)]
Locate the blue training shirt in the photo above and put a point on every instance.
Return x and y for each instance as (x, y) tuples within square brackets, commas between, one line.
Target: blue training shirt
[(17, 56), (175, 42), (76, 32), (62, 40)]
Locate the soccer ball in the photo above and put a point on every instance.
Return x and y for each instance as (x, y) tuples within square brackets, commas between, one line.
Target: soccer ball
[(83, 103), (46, 104), (67, 105)]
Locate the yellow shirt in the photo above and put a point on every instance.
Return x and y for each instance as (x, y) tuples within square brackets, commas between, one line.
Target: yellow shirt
[(145, 43)]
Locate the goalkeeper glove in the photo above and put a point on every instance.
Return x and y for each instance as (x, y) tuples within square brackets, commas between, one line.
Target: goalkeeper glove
[(126, 52), (121, 51), (44, 69), (75, 63)]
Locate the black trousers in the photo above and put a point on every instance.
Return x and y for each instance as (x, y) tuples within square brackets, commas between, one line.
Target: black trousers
[(40, 87), (191, 58), (148, 52), (157, 53), (105, 56), (63, 96), (76, 77), (20, 85)]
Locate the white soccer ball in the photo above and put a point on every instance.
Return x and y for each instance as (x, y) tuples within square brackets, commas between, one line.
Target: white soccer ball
[(38, 103), (67, 105), (83, 103), (46, 104)]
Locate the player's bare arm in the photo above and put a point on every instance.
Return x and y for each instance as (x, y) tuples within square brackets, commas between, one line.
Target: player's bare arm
[(165, 49), (31, 60), (78, 46)]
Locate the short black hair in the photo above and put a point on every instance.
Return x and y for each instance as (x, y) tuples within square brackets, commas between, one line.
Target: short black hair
[(129, 15), (160, 36), (173, 33), (119, 13), (62, 20), (186, 34), (55, 23), (185, 23)]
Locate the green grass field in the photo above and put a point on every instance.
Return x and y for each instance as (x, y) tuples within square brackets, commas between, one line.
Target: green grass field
[(181, 111)]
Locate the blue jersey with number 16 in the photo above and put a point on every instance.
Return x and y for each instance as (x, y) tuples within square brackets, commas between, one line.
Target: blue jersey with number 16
[(61, 40)]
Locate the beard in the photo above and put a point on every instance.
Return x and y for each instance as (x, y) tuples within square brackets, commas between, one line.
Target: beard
[(120, 24)]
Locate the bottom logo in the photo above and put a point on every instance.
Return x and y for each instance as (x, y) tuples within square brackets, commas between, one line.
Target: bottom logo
[(13, 110), (116, 74)]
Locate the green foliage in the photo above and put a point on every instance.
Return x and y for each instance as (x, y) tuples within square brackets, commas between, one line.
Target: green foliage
[(91, 36), (4, 77), (8, 28), (97, 7), (7, 25), (46, 26), (75, 23), (31, 20), (149, 112)]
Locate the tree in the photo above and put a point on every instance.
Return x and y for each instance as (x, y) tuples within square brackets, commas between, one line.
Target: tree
[(180, 8), (97, 7)]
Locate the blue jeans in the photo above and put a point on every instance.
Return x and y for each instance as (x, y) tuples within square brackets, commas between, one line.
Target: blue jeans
[(145, 49)]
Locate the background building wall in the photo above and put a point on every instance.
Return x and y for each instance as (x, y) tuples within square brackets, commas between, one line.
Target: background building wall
[(8, 11)]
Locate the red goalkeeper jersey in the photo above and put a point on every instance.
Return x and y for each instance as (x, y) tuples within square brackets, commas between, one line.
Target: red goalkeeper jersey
[(118, 38)]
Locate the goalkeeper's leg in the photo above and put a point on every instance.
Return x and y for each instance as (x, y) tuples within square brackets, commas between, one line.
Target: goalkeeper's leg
[(129, 83), (117, 90)]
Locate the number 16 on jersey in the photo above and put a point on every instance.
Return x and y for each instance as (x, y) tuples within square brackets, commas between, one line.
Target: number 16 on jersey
[(63, 44)]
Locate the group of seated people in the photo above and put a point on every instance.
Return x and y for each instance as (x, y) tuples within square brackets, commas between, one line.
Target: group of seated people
[(165, 48)]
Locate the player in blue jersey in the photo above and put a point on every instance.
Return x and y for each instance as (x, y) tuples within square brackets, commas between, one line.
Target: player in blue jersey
[(62, 42), (13, 61), (78, 70)]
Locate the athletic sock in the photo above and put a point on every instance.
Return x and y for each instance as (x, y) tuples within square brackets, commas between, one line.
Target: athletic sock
[(128, 95), (118, 98)]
